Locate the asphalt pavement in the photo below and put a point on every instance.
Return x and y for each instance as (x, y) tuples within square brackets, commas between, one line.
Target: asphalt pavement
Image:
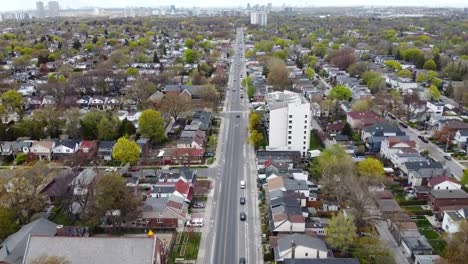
[(225, 237)]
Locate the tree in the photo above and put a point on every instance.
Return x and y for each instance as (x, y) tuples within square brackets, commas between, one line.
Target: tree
[(140, 91), (175, 105), (155, 57), (362, 105), (371, 169), (343, 58), (430, 65), (255, 121), (23, 191), (415, 56), (8, 224), (460, 94), (464, 178), (278, 75), (151, 125), (358, 68), (126, 128), (209, 96), (347, 130), (12, 100), (89, 124), (412, 103), (132, 71), (405, 73), (341, 232), (112, 195), (420, 77), (434, 93), (256, 138), (310, 73), (190, 56), (251, 91), (393, 64), (126, 151), (457, 246), (108, 128), (371, 250), (341, 92), (443, 136), (189, 43)]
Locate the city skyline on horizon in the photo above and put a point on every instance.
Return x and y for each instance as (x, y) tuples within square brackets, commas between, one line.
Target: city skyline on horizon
[(77, 4)]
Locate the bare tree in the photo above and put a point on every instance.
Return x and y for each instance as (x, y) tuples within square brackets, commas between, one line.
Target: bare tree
[(175, 105)]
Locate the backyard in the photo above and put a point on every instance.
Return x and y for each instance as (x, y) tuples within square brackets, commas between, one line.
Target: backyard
[(185, 247), (315, 142)]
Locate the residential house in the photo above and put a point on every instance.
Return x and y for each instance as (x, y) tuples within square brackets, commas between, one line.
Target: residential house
[(401, 84), (415, 244), (111, 103), (290, 157), (81, 183), (6, 148), (360, 120), (174, 175), (162, 189), (441, 200), (300, 246), (419, 173), (322, 261), (426, 259), (435, 108), (12, 249), (66, 147), (191, 91), (375, 134), (453, 218), (105, 149), (84, 250), (87, 149), (404, 155), (452, 125), (145, 146), (444, 183), (334, 128), (59, 186), (43, 149), (22, 146), (182, 156), (461, 137), (315, 109), (392, 145), (165, 212), (184, 189), (97, 102)]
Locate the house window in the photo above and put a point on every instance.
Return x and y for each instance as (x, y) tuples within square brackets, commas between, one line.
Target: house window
[(306, 254), (289, 132), (290, 127), (305, 127), (305, 116), (305, 121), (159, 220), (290, 116), (289, 142), (289, 137), (290, 121)]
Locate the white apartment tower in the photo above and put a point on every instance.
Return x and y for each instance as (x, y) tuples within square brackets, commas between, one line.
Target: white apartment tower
[(288, 118), (258, 18)]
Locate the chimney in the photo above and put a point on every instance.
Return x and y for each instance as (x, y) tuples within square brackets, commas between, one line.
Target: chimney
[(293, 249), (59, 230)]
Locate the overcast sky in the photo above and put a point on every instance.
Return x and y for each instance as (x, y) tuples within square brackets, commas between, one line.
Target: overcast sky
[(8, 5)]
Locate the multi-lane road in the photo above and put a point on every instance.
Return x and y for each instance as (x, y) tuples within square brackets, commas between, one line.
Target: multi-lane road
[(226, 238)]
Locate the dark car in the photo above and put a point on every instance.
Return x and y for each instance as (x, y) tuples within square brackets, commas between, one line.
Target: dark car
[(423, 139), (242, 260), (242, 200), (391, 116), (403, 125), (209, 154), (243, 216), (238, 116), (447, 157)]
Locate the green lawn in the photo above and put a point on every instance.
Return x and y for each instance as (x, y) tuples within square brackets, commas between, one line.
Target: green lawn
[(438, 245), (315, 142), (423, 223), (191, 248)]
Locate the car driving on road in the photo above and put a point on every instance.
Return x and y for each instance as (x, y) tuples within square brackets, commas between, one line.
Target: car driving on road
[(243, 216), (242, 200)]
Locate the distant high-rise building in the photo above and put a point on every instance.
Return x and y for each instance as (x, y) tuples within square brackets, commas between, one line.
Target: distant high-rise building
[(172, 9), (40, 11), (258, 18), (54, 9), (269, 6), (465, 11), (248, 6)]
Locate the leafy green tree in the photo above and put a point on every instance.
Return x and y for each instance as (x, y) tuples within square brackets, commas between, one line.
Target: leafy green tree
[(430, 65), (126, 128), (126, 151), (111, 195), (370, 250), (281, 54), (341, 232), (89, 124), (190, 56), (189, 43), (12, 100), (434, 92), (108, 128), (132, 71), (151, 125), (256, 138), (7, 222), (393, 64), (371, 168), (251, 91), (405, 73), (347, 130), (341, 92), (457, 245), (415, 56), (255, 121), (362, 105), (464, 178), (310, 73), (278, 74)]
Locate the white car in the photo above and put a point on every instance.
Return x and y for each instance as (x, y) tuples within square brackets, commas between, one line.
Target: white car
[(196, 222)]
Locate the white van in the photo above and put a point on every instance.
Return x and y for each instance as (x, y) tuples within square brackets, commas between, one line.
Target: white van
[(242, 184), (196, 222)]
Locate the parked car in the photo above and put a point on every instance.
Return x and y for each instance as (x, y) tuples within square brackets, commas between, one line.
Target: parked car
[(403, 125), (447, 157), (196, 222), (243, 216), (391, 116), (242, 260), (242, 184), (423, 139), (198, 205), (242, 200)]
